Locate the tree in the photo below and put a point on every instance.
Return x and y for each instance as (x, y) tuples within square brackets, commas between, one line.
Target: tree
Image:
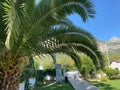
[(27, 29), (87, 65)]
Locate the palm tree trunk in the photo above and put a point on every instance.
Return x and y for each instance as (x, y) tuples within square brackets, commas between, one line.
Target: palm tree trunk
[(10, 77), (58, 69), (9, 80), (58, 73)]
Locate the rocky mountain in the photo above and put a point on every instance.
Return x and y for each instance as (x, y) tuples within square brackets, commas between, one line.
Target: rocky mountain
[(112, 45), (115, 40), (110, 49)]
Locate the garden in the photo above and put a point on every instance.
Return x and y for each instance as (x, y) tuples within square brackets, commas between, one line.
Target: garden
[(45, 78)]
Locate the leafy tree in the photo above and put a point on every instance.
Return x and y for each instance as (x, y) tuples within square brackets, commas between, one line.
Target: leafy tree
[(112, 73), (87, 65), (28, 29)]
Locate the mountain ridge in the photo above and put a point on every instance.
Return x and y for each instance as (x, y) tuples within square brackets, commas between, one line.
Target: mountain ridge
[(112, 45), (110, 49)]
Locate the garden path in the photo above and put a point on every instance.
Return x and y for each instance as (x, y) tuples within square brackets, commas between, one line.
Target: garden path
[(80, 84)]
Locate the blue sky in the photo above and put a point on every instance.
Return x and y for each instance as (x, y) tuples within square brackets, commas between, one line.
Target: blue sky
[(106, 23)]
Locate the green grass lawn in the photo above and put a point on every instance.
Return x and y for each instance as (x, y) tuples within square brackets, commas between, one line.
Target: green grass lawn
[(55, 86), (109, 85)]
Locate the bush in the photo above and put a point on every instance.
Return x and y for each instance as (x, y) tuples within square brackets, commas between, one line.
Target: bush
[(27, 73), (112, 73), (50, 72), (104, 79)]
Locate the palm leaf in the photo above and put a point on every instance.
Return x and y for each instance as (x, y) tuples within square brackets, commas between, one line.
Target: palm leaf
[(20, 26), (75, 57), (69, 43), (38, 30), (13, 17), (49, 12)]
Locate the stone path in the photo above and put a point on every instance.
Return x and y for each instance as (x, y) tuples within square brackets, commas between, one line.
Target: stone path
[(80, 84)]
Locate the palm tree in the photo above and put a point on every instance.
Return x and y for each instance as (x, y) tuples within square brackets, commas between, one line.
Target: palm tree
[(80, 38), (28, 29)]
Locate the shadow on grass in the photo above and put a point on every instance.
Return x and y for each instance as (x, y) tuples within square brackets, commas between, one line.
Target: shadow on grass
[(55, 86), (104, 86)]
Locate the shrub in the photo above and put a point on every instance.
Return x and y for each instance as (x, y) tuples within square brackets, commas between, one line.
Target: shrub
[(112, 73), (50, 72), (27, 73), (104, 79)]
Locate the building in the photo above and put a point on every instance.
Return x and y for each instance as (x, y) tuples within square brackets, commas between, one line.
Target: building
[(115, 64)]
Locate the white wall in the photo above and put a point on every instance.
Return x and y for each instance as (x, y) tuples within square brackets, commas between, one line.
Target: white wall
[(115, 65)]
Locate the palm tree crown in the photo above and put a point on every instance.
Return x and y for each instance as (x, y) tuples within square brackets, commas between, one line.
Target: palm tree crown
[(42, 29)]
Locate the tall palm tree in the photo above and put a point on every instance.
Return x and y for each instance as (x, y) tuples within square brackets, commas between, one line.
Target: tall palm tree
[(26, 28)]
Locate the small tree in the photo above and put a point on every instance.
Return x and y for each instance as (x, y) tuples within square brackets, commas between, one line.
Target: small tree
[(112, 73), (87, 65)]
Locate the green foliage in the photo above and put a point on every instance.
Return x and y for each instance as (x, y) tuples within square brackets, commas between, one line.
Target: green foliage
[(66, 61), (40, 18), (100, 71), (39, 75), (49, 72), (104, 79), (112, 73), (37, 29), (29, 29), (86, 64), (27, 73), (46, 61)]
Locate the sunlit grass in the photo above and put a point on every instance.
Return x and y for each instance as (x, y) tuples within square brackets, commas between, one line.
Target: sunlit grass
[(109, 85), (55, 86)]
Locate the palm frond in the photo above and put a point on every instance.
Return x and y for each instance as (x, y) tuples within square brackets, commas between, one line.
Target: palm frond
[(43, 29), (2, 27), (78, 45), (29, 5), (64, 38), (74, 56), (60, 7), (45, 14), (15, 14), (13, 17), (49, 12)]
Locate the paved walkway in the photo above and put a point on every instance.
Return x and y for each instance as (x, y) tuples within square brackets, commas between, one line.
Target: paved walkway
[(80, 84)]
